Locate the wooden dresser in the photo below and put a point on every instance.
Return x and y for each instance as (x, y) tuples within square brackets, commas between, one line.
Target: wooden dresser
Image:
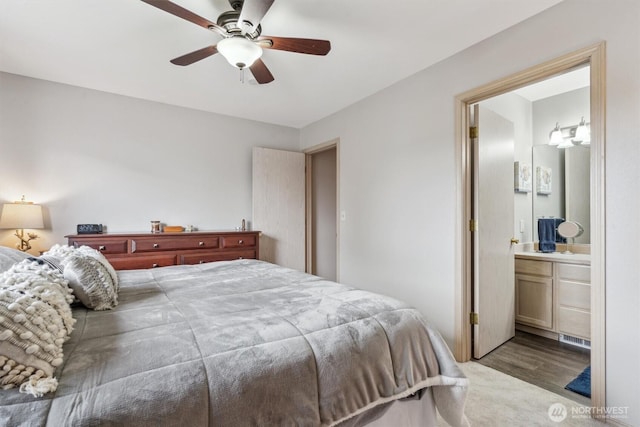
[(148, 250)]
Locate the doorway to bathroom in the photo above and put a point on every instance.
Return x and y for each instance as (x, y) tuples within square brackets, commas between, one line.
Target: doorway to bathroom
[(469, 326), (522, 182)]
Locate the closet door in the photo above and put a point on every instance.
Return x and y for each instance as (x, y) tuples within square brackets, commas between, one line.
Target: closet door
[(279, 206)]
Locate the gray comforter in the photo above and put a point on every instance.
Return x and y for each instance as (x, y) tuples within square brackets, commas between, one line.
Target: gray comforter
[(241, 343)]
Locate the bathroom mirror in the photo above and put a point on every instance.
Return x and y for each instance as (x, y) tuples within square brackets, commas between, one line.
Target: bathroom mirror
[(568, 194), (570, 230)]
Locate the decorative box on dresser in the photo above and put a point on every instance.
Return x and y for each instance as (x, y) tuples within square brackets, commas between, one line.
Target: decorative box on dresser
[(130, 251), (553, 294)]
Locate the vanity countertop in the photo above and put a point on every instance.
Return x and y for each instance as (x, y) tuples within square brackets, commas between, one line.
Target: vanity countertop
[(584, 259)]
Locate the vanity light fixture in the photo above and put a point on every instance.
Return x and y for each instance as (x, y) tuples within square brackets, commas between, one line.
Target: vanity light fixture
[(20, 215), (571, 135), (555, 137), (582, 133)]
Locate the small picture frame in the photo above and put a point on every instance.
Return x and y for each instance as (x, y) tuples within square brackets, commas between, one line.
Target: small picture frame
[(543, 180), (522, 177)]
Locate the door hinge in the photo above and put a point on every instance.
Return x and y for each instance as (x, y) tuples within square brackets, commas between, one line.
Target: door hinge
[(473, 132), (473, 225), (473, 318)]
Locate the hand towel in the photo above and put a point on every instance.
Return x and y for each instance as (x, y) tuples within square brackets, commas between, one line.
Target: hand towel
[(547, 234)]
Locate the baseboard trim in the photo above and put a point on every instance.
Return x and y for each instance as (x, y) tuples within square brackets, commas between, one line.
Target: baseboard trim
[(536, 331)]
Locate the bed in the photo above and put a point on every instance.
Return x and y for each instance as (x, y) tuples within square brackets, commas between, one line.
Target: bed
[(245, 342)]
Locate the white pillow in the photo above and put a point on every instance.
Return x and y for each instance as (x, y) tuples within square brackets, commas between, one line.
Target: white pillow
[(92, 278), (35, 321), (10, 256), (91, 282)]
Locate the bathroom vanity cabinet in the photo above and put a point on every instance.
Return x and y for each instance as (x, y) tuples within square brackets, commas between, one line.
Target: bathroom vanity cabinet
[(553, 294)]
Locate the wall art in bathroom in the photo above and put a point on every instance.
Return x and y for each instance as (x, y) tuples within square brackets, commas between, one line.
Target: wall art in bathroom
[(522, 177), (543, 180)]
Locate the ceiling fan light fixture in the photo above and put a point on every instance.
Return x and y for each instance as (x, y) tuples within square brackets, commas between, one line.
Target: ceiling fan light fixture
[(239, 51)]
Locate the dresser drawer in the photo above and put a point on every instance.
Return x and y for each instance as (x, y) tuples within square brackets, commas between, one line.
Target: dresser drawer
[(172, 244), (142, 262), (528, 266), (105, 246), (148, 250), (238, 241), (200, 258)]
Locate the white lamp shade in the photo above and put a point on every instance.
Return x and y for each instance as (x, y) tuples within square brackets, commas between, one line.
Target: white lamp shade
[(21, 215), (239, 51), (555, 138), (581, 132)]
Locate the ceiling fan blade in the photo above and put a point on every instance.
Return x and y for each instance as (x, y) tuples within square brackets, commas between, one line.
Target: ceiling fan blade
[(308, 46), (195, 56), (183, 13), (252, 13), (261, 72)]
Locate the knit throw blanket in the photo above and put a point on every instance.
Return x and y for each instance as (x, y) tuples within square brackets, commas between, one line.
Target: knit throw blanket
[(35, 321)]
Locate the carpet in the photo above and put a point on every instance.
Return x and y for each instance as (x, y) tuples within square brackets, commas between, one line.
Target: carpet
[(499, 400), (582, 383)]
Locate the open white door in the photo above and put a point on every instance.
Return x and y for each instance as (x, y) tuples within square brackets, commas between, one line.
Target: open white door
[(279, 206), (494, 291)]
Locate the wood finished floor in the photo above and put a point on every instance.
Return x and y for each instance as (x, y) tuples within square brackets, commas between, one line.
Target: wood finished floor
[(546, 363)]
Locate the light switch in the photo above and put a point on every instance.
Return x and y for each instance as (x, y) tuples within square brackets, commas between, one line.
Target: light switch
[(522, 225)]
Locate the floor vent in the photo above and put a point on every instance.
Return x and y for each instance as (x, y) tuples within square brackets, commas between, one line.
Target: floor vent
[(575, 341)]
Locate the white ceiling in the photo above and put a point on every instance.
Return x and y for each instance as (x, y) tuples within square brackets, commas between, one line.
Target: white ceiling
[(124, 47)]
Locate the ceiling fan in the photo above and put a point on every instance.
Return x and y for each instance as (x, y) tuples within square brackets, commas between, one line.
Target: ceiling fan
[(242, 43)]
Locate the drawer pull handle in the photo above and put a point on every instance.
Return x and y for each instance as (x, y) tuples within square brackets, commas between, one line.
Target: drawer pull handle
[(241, 257), (240, 241), (154, 265), (102, 248), (201, 262), (155, 245), (200, 243)]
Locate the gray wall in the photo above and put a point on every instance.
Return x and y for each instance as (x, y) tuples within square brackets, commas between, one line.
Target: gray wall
[(94, 157)]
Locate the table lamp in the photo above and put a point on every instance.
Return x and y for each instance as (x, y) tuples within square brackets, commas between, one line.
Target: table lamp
[(20, 215)]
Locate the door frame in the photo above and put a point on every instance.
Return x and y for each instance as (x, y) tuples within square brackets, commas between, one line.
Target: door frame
[(309, 152), (594, 56)]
